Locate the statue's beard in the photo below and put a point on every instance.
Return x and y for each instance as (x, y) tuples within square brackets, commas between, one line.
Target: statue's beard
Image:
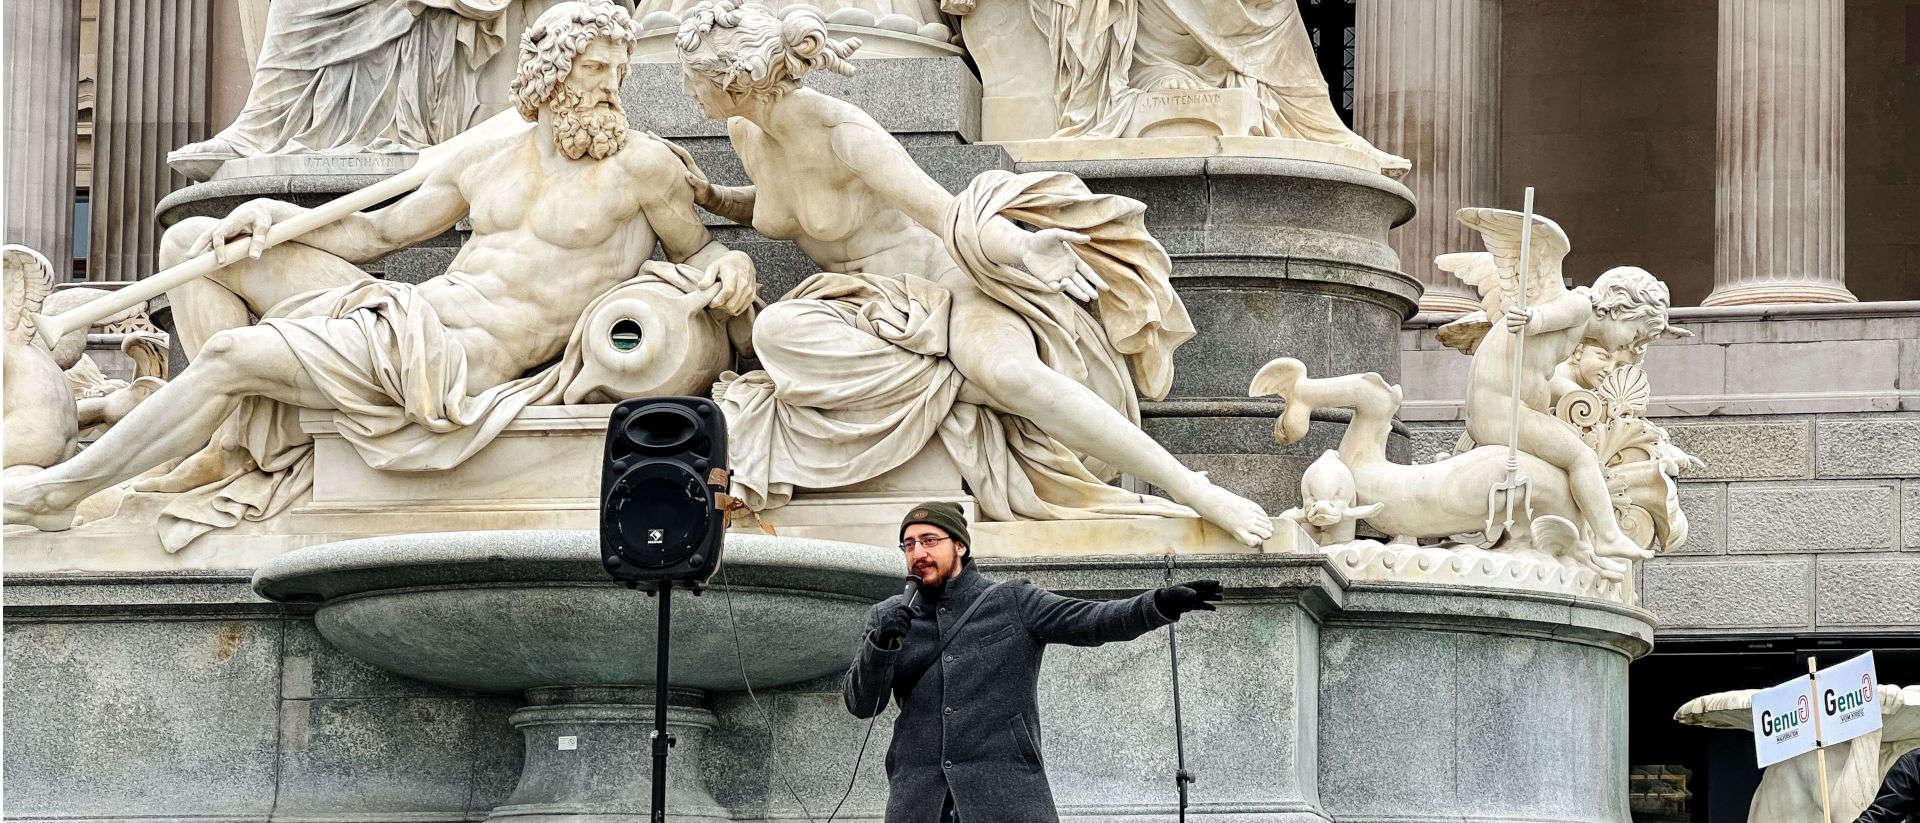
[(581, 129)]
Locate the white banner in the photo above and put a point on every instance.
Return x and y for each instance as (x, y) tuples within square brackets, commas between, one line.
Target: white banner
[(1849, 700), (1783, 721)]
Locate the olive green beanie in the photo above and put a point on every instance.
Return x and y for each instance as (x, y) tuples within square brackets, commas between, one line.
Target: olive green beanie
[(940, 514)]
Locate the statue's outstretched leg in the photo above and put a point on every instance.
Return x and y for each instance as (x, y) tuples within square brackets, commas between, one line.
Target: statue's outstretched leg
[(229, 299), (994, 350), (178, 420)]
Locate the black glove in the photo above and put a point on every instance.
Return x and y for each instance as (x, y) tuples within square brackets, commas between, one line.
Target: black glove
[(891, 625), (1180, 598)]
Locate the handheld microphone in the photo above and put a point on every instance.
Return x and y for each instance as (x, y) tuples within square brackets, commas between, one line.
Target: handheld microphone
[(912, 591)]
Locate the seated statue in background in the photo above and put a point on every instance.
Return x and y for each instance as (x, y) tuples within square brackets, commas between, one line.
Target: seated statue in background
[(1106, 54), (358, 76), (935, 316), (565, 209)]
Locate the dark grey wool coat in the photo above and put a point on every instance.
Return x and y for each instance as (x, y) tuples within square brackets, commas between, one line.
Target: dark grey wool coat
[(969, 722)]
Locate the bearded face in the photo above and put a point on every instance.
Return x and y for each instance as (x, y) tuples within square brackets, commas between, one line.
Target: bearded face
[(587, 122), (584, 108)]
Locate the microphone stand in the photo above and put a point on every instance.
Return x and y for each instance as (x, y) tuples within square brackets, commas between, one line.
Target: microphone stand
[(661, 739), (1181, 777)]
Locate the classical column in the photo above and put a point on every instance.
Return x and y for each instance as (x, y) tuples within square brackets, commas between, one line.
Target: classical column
[(1780, 180), (42, 70), (1427, 88), (152, 98)]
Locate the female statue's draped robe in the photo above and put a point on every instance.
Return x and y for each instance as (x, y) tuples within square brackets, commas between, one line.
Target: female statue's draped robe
[(1106, 52), (362, 75)]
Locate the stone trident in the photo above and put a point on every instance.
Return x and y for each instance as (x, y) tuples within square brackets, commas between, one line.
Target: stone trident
[(1516, 484)]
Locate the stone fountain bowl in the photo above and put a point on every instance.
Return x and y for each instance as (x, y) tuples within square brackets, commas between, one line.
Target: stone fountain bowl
[(511, 610)]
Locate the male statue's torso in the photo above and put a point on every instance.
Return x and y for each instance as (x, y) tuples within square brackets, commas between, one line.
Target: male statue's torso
[(504, 297)]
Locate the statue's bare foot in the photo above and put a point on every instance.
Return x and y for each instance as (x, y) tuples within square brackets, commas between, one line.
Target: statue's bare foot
[(26, 506), (208, 465), (1621, 546), (1236, 515)]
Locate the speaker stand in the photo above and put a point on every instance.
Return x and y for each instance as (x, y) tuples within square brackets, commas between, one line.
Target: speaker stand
[(663, 739)]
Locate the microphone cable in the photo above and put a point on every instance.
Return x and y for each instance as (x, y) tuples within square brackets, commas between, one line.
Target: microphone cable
[(740, 657), (861, 755)]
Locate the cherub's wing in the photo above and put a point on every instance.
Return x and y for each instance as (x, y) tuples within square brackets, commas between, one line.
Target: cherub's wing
[(1500, 232), (29, 279), (1722, 710), (1478, 269)]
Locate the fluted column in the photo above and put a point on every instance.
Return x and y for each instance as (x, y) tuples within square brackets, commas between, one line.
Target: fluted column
[(152, 98), (1780, 183), (42, 69), (1427, 87)]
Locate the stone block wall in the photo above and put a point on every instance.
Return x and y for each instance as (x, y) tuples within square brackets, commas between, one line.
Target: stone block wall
[(1807, 515), (202, 702)]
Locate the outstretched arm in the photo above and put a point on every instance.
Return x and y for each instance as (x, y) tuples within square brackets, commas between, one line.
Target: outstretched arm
[(1053, 618), (732, 202), (359, 237), (1569, 310)]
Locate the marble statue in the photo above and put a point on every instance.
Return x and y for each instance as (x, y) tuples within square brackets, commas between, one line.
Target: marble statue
[(1790, 790), (1156, 67), (935, 318), (1601, 487), (348, 76), (566, 208), (56, 397), (43, 427), (1329, 501), (1625, 309), (890, 19)]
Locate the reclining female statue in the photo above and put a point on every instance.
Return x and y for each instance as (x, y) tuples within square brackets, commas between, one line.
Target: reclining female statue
[(934, 315)]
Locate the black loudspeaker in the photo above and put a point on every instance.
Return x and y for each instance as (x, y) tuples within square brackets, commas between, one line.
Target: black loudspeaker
[(665, 468)]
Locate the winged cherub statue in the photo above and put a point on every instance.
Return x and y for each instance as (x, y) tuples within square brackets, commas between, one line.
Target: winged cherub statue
[(1625, 309)]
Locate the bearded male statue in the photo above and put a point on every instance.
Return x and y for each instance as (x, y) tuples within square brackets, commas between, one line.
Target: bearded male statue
[(564, 209)]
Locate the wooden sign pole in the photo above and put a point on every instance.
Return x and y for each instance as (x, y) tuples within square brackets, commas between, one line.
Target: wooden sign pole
[(1819, 747)]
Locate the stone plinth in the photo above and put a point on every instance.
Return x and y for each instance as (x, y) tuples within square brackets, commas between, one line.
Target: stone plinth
[(1273, 258), (1446, 703)]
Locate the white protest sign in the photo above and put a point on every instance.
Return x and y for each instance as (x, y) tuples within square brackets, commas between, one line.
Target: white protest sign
[(1849, 700), (1783, 721)]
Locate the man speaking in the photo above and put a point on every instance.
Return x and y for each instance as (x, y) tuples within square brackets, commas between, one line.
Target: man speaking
[(962, 656)]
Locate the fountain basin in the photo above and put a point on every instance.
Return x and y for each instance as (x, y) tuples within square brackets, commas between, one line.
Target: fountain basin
[(511, 610)]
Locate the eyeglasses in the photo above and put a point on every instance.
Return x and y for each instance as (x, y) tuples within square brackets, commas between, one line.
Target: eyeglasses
[(908, 544)]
